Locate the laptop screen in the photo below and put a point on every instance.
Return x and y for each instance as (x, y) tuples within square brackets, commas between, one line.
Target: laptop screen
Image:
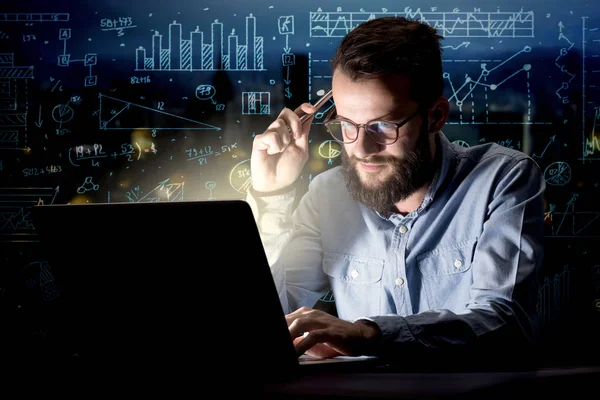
[(154, 284)]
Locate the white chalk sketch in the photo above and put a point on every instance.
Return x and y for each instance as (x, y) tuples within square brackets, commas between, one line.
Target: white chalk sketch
[(208, 92), (591, 144), (38, 275), (256, 103), (572, 222), (15, 209), (319, 82), (285, 25), (473, 90), (553, 300), (88, 60), (13, 110), (562, 67), (550, 141), (210, 185), (329, 150), (164, 191), (34, 17), (113, 110), (88, 185), (240, 178), (590, 40), (558, 173), (62, 113), (194, 54), (519, 24)]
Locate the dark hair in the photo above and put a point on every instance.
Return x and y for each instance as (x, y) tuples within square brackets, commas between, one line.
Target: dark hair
[(394, 46)]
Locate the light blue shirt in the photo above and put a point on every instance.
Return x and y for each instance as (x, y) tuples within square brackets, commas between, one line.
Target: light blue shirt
[(463, 265)]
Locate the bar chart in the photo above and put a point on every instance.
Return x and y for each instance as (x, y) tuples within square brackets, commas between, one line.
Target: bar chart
[(203, 51)]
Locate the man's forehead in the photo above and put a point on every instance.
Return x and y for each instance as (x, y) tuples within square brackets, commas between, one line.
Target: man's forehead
[(389, 79), (371, 98)]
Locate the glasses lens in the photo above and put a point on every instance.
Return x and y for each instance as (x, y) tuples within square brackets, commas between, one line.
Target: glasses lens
[(383, 132), (341, 131)]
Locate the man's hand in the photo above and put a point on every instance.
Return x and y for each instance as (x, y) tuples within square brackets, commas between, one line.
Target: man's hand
[(322, 335), (280, 152)]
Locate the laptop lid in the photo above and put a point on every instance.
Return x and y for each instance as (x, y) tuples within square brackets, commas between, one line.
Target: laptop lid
[(166, 286)]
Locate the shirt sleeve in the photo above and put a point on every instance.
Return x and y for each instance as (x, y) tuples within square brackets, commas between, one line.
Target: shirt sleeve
[(293, 246), (506, 265), (273, 216)]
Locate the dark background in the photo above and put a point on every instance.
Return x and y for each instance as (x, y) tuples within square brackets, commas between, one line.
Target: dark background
[(85, 118)]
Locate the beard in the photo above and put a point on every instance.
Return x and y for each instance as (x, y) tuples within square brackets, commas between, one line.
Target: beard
[(408, 175)]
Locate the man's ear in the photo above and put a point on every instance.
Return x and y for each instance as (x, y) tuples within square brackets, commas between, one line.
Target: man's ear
[(438, 114)]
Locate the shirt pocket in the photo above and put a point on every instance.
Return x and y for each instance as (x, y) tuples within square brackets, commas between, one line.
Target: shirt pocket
[(446, 275), (356, 283)]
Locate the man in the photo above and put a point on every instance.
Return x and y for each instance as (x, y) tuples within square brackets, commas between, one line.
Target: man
[(425, 244)]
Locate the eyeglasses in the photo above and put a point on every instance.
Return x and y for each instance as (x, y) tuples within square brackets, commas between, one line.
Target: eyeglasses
[(345, 131)]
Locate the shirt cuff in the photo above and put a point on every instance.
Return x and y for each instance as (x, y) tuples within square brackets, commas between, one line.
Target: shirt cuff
[(394, 328)]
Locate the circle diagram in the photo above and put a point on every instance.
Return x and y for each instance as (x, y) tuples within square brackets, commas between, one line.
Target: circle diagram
[(240, 178), (62, 113), (557, 173), (330, 149)]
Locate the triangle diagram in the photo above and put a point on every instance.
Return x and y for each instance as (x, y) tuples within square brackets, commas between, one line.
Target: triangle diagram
[(116, 114)]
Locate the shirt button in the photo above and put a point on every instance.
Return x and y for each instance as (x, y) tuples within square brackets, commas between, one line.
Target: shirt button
[(403, 229), (457, 263), (399, 281), (354, 273)]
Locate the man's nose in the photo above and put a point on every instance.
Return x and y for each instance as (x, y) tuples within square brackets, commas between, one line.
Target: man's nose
[(365, 146)]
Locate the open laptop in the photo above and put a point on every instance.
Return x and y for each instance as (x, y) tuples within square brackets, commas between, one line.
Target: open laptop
[(167, 288)]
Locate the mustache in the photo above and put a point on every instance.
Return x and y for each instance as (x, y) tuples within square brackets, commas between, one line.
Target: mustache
[(372, 160)]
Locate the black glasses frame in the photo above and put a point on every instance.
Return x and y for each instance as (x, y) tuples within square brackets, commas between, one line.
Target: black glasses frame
[(329, 119)]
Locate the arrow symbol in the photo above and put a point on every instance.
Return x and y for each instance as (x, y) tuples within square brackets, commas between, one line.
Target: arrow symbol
[(55, 194), (26, 149), (463, 44), (39, 122), (287, 75), (161, 185), (552, 139)]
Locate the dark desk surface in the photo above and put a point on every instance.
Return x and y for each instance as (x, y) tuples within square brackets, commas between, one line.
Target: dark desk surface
[(574, 382)]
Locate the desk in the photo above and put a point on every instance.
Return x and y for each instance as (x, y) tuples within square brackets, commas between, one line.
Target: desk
[(575, 382)]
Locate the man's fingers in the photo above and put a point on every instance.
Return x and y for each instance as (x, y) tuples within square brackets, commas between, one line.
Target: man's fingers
[(292, 121), (275, 139), (297, 326), (295, 127), (270, 142), (304, 109), (307, 111), (286, 127), (309, 340)]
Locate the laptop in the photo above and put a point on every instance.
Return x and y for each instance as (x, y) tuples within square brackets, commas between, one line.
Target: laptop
[(167, 288)]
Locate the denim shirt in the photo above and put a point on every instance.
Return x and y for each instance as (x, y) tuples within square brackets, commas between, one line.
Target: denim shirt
[(464, 264)]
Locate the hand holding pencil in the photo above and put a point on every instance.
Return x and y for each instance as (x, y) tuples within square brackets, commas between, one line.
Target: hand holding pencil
[(281, 151)]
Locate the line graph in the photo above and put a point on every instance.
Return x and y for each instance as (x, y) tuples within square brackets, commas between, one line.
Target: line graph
[(592, 143), (489, 79), (590, 71), (472, 92), (15, 211), (571, 222), (517, 24)]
